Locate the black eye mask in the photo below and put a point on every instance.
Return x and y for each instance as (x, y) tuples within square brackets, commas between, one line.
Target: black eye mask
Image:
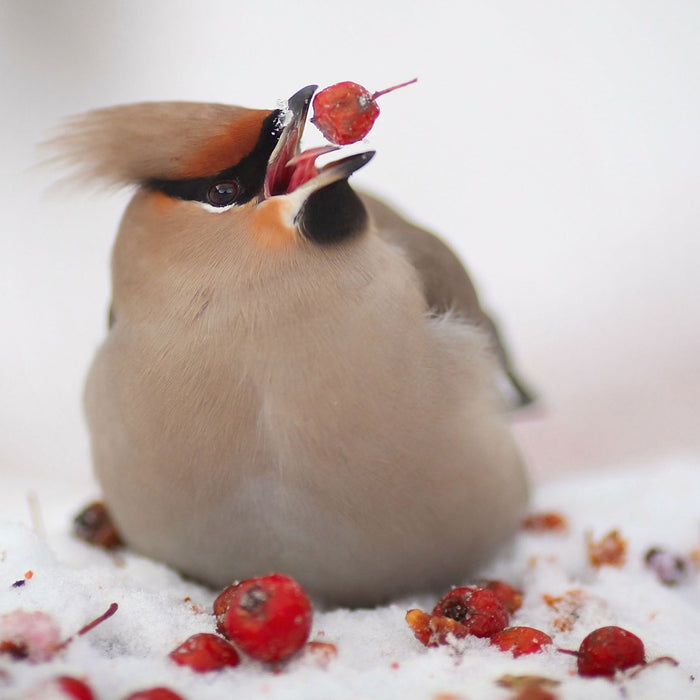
[(235, 185)]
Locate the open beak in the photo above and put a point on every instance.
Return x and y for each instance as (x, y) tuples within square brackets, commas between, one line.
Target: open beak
[(290, 169)]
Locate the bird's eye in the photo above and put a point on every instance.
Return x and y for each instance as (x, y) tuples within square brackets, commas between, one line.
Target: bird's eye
[(222, 193)]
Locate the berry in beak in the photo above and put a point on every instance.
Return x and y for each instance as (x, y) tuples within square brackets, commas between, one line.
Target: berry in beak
[(290, 169)]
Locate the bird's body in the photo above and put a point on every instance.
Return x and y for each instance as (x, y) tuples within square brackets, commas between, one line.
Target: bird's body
[(276, 393)]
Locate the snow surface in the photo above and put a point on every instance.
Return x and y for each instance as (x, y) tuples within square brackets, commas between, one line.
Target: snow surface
[(378, 657)]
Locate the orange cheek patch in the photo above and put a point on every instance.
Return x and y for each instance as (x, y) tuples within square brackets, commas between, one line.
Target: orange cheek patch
[(227, 148), (161, 202), (270, 226)]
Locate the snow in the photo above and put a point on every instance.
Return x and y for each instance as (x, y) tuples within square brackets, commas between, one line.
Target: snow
[(652, 506)]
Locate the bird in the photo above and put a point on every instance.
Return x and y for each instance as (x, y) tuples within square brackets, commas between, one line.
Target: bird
[(294, 377)]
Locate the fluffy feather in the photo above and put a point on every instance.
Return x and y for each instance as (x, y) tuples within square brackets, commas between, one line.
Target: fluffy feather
[(130, 144)]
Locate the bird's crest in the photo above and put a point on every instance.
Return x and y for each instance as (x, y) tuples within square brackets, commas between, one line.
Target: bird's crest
[(135, 143)]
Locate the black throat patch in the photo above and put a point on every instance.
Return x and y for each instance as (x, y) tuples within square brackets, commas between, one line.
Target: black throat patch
[(332, 214)]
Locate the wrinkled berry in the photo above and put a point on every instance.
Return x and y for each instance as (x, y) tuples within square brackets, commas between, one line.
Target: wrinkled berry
[(345, 112), (477, 608), (433, 631)]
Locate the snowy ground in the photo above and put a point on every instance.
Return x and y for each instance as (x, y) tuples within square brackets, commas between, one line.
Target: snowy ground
[(378, 657)]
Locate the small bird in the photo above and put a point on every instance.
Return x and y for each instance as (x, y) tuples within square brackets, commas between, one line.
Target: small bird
[(295, 378)]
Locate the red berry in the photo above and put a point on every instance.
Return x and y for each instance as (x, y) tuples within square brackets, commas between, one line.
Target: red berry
[(74, 688), (520, 640), (64, 687), (222, 604), (477, 608), (510, 596), (205, 652), (345, 112), (609, 649), (269, 618), (154, 694)]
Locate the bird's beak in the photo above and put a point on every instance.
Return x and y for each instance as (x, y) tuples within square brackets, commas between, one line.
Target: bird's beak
[(291, 170)]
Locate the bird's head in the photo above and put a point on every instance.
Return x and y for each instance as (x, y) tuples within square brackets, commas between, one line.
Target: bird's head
[(214, 183)]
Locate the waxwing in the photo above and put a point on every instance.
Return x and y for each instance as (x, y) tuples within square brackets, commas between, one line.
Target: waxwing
[(295, 379)]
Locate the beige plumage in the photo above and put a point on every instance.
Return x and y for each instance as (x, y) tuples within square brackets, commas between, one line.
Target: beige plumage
[(288, 384)]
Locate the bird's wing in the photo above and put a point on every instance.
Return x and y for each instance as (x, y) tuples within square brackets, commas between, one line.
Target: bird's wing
[(446, 283)]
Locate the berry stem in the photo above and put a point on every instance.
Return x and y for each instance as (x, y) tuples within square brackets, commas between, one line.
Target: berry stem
[(391, 89), (110, 611), (569, 651), (83, 630), (661, 659)]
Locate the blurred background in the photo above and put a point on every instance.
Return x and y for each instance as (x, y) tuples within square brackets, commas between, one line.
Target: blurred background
[(554, 144)]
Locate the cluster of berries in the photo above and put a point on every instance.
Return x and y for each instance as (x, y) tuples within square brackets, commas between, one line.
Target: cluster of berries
[(480, 611), (267, 618), (484, 611)]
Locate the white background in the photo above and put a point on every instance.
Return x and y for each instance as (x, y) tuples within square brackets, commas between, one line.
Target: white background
[(554, 144)]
